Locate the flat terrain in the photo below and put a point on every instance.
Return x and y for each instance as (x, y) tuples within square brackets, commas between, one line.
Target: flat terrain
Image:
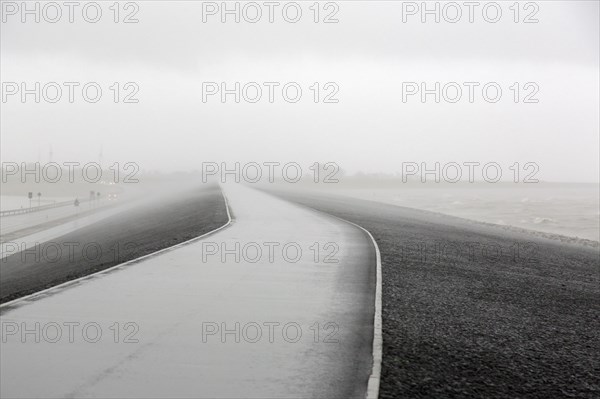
[(472, 310), (154, 225), (16, 226)]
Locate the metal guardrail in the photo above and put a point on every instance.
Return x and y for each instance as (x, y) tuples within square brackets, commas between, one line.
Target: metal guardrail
[(11, 212)]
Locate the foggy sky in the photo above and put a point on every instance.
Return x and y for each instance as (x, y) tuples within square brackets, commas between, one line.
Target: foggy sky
[(369, 53)]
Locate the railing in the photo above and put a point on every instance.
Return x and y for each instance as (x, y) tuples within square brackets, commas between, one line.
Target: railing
[(37, 208)]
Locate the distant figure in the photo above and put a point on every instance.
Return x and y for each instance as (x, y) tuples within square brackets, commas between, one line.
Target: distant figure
[(76, 203)]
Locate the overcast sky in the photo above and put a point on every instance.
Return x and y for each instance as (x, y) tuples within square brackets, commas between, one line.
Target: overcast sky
[(368, 54)]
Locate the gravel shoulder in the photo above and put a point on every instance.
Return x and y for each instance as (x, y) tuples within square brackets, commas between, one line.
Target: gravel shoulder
[(473, 310), (155, 225)]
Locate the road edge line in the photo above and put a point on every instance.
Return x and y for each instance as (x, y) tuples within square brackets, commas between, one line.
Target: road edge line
[(230, 220), (375, 376), (377, 348)]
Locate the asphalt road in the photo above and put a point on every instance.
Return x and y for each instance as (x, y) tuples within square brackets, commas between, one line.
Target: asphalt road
[(151, 226), (478, 311), (210, 320)]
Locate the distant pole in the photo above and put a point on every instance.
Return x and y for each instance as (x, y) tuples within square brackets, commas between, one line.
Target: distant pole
[(39, 195), (30, 196)]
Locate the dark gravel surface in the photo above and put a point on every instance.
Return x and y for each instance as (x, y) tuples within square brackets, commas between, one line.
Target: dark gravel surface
[(476, 311), (153, 226)]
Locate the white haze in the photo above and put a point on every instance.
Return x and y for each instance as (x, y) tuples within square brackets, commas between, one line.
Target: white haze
[(368, 54)]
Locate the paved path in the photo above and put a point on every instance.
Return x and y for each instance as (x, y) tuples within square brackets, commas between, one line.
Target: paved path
[(183, 305)]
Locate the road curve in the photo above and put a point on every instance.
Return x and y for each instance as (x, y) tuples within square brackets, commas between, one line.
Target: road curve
[(207, 326)]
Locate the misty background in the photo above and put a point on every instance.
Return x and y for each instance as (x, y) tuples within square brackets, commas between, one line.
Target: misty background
[(369, 53)]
